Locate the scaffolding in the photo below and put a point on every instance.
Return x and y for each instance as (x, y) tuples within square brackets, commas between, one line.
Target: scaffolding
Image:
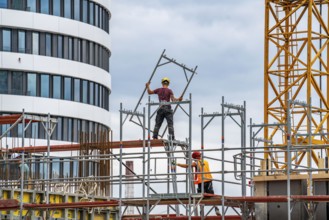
[(86, 180), (164, 191)]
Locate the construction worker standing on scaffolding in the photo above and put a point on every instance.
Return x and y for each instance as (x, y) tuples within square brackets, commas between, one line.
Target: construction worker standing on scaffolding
[(202, 176), (202, 173), (164, 111)]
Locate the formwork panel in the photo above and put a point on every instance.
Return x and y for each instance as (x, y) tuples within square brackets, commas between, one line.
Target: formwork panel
[(279, 210), (321, 188)]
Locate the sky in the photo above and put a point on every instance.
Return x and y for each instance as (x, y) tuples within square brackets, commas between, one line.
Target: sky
[(224, 39)]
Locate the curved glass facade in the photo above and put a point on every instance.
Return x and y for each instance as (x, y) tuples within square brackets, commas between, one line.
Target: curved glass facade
[(54, 86), (81, 10), (25, 80), (54, 45), (67, 129)]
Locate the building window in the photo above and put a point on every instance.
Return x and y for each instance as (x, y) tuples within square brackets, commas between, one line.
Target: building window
[(91, 53), (31, 5), (77, 10), (70, 53), (35, 43), (6, 41), (17, 4), (85, 91), (67, 9), (67, 88), (69, 129), (21, 41), (3, 82), (44, 6), (59, 129), (35, 130), (91, 93), (96, 15), (91, 13), (31, 84), (60, 46), (57, 7), (44, 87), (96, 95), (85, 11), (48, 44), (57, 87), (3, 4), (17, 83), (77, 90)]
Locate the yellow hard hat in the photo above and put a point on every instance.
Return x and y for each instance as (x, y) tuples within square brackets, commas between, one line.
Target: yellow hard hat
[(165, 79)]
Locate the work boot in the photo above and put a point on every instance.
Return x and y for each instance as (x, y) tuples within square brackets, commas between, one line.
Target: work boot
[(217, 211)]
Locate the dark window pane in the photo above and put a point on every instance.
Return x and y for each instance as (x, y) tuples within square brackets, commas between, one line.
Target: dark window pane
[(3, 82), (69, 129), (35, 42), (96, 95), (100, 96), (3, 4), (77, 10), (17, 4), (57, 87), (91, 13), (44, 6), (84, 91), (60, 46), (70, 54), (77, 90), (65, 127), (75, 130), (67, 89), (31, 84), (101, 14), (79, 50), (17, 83), (59, 128), (35, 130), (31, 5), (6, 41), (91, 53), (85, 11), (91, 93), (21, 41), (67, 9), (57, 7), (96, 15), (48, 44), (44, 87)]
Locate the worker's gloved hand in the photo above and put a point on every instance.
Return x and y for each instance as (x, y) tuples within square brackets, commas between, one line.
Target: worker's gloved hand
[(173, 163)]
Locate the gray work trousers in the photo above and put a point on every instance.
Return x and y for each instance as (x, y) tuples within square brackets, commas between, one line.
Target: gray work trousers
[(164, 112)]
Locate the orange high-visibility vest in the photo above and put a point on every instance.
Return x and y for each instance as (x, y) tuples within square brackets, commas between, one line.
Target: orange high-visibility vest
[(203, 169)]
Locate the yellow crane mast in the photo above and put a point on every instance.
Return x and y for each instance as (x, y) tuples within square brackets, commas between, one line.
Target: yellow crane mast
[(296, 74)]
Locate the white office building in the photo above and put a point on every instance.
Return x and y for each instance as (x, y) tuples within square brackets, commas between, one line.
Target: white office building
[(54, 58)]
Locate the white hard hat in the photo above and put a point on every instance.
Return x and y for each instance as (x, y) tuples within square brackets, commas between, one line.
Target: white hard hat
[(15, 155)]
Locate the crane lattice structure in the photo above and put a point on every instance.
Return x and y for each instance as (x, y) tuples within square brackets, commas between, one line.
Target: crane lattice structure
[(296, 69)]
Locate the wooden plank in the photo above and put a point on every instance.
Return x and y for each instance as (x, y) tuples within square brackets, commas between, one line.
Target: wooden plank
[(8, 204)]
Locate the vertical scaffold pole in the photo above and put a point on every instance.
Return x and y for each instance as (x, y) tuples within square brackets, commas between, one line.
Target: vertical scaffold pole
[(223, 157), (189, 153), (289, 159), (120, 168), (144, 159), (48, 162), (22, 168), (244, 167), (148, 159)]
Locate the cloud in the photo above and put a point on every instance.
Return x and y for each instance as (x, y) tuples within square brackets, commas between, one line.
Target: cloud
[(223, 38)]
